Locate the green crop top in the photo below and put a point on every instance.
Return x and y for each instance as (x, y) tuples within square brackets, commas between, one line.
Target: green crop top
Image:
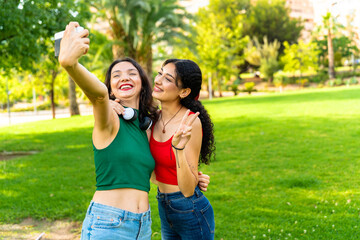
[(127, 161)]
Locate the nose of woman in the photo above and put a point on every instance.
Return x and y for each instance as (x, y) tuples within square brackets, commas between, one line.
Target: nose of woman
[(157, 80), (124, 77)]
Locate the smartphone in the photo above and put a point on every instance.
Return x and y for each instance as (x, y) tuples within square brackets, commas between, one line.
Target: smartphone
[(59, 36)]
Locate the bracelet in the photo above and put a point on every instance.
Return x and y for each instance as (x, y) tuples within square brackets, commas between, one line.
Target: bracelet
[(177, 148)]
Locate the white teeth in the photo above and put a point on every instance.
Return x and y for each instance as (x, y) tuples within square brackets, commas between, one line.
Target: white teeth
[(125, 87)]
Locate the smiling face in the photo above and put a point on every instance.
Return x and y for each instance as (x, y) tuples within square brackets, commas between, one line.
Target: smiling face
[(165, 88), (125, 81)]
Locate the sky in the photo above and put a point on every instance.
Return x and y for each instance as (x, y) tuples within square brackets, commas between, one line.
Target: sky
[(194, 5), (339, 8)]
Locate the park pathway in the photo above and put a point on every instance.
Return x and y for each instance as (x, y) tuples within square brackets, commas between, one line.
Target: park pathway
[(23, 117)]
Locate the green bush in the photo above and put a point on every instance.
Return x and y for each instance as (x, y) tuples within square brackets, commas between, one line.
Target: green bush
[(234, 86), (346, 74), (351, 81), (304, 82), (320, 85), (249, 87), (338, 81), (331, 82), (319, 78), (281, 80), (354, 81)]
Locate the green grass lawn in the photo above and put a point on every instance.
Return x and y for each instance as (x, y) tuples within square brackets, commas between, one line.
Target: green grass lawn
[(287, 167)]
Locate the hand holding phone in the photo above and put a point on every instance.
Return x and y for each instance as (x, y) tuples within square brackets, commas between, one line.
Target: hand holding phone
[(59, 36), (73, 45)]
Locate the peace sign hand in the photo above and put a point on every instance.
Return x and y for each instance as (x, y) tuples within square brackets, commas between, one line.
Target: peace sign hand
[(183, 133)]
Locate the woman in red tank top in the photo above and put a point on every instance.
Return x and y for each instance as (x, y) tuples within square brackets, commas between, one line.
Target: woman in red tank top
[(180, 140)]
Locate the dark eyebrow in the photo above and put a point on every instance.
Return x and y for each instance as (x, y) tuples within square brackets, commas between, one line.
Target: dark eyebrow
[(129, 70), (170, 75), (115, 72)]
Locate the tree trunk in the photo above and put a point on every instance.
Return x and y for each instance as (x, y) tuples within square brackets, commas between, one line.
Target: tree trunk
[(8, 98), (219, 79), (74, 107), (52, 97), (117, 33), (330, 52), (210, 88), (145, 59), (149, 62), (118, 52)]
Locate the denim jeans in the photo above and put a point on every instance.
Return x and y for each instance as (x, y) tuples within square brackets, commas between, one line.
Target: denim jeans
[(186, 218), (105, 222)]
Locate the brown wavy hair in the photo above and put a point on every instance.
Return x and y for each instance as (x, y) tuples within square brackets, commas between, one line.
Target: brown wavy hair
[(146, 104)]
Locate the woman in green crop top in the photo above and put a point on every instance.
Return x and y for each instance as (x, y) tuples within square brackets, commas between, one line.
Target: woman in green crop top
[(120, 207)]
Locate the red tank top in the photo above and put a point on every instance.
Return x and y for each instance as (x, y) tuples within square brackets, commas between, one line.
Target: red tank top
[(165, 161)]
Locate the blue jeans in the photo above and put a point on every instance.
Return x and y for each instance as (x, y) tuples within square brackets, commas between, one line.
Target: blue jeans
[(105, 222), (186, 218)]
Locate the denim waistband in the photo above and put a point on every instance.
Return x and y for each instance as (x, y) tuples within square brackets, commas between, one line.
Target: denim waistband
[(176, 195), (95, 207)]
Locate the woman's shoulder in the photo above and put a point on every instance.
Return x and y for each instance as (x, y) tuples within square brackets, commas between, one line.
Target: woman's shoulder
[(197, 121)]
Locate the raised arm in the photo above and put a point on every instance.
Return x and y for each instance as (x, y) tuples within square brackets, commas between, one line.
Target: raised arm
[(73, 46), (186, 146)]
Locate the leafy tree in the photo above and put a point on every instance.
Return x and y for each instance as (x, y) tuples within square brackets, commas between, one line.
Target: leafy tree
[(62, 13), (25, 26), (21, 35), (271, 19), (100, 55), (219, 39), (301, 57), (328, 25), (333, 44), (27, 34), (353, 37), (211, 46)]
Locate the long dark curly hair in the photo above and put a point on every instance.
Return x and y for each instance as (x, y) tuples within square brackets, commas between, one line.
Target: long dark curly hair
[(146, 104), (189, 75)]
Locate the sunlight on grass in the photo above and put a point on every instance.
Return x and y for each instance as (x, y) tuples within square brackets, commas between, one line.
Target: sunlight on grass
[(9, 193), (77, 146)]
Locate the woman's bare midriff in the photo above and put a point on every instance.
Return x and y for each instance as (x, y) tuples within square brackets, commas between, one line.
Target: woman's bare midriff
[(128, 199), (168, 188)]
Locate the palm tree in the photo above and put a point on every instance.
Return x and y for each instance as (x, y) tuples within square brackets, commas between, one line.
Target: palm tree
[(328, 25), (135, 25)]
